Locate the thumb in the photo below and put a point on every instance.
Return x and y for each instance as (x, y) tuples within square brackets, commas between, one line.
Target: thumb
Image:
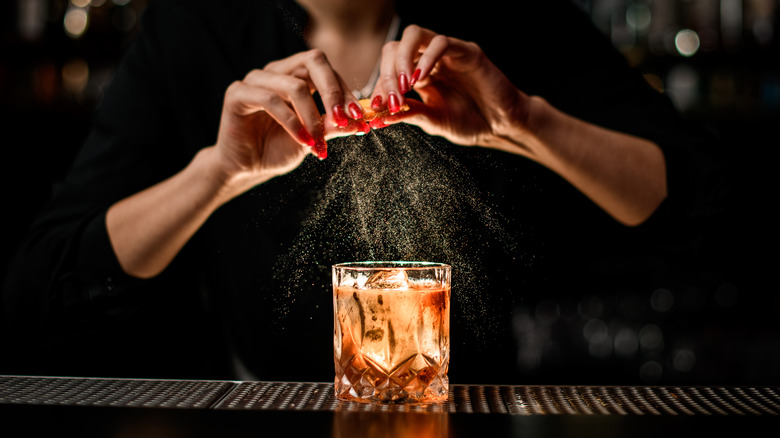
[(418, 114)]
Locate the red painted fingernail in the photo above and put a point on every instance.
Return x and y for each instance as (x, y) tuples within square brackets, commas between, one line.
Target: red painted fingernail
[(393, 104), (321, 149), (376, 103), (340, 116), (305, 137), (364, 128), (403, 83), (355, 111), (377, 123), (415, 77)]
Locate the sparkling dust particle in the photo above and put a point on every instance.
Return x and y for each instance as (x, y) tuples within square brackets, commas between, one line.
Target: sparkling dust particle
[(397, 195)]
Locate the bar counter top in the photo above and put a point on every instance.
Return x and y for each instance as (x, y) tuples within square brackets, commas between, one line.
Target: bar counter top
[(33, 405)]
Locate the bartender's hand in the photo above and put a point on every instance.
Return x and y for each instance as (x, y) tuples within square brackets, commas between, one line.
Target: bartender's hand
[(469, 101), (269, 123), (270, 120), (465, 97)]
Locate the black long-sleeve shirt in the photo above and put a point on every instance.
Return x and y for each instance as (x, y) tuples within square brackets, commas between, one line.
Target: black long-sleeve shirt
[(255, 279)]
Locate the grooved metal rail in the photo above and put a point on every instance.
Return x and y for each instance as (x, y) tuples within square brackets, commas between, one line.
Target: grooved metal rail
[(304, 396)]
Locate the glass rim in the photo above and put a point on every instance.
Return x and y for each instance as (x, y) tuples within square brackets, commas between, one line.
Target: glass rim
[(391, 265)]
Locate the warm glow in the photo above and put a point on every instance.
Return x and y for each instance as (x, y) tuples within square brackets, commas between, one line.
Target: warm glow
[(654, 81), (80, 3), (75, 75)]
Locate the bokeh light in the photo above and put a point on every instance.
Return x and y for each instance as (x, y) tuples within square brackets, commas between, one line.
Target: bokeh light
[(683, 360), (75, 75), (651, 337), (662, 300), (651, 372), (31, 18), (75, 22), (626, 342), (638, 17), (687, 42), (682, 85), (595, 330), (590, 306)]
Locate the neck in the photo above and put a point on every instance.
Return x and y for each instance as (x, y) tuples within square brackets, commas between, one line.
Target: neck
[(348, 18)]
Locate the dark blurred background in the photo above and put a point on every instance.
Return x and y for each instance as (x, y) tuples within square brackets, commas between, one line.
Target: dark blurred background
[(56, 57), (714, 320)]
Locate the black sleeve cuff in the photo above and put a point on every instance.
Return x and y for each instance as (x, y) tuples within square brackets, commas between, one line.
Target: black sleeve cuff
[(97, 262)]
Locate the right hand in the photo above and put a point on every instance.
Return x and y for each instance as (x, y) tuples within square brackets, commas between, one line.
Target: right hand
[(270, 120)]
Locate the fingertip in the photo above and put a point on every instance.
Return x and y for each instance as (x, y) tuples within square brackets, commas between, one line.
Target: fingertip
[(377, 124), (364, 128), (355, 111), (305, 138), (415, 77), (339, 116), (320, 149), (393, 102), (377, 103), (403, 83)]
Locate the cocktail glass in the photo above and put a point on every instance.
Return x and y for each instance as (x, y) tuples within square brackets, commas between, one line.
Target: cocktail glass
[(391, 340)]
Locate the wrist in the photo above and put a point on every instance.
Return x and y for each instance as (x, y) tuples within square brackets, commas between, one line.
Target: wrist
[(224, 180), (520, 128)]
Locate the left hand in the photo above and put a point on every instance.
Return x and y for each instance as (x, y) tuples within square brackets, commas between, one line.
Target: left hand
[(469, 101), (465, 97)]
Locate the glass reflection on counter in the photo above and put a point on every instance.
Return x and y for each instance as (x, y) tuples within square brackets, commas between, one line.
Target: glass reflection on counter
[(350, 424)]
